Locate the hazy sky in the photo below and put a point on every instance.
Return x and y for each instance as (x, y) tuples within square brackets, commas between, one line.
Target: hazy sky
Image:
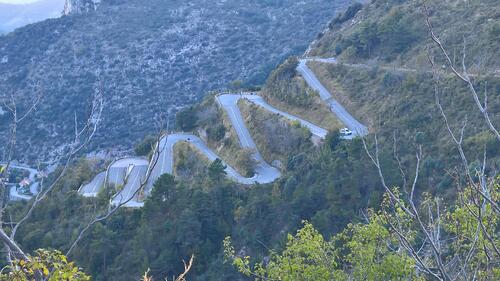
[(20, 15), (17, 1)]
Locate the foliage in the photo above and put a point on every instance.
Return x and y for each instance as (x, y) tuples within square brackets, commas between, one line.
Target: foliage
[(385, 247), (401, 109), (145, 146), (245, 160), (49, 265), (394, 32), (287, 90), (348, 14), (276, 138), (284, 85), (217, 132), (236, 85), (216, 170), (189, 163), (370, 252), (157, 57), (184, 217), (186, 119), (393, 35), (333, 139), (361, 252), (473, 238), (327, 185)]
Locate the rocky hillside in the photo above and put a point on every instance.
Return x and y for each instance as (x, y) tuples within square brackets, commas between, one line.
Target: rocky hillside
[(384, 77), (330, 184), (151, 58), (395, 31)]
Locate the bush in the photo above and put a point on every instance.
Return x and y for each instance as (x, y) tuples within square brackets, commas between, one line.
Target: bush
[(51, 265), (216, 133), (186, 119), (145, 146), (246, 162), (284, 86), (332, 140), (216, 170), (347, 15)]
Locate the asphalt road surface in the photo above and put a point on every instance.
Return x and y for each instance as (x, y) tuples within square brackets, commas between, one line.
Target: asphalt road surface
[(342, 114), (165, 163), (34, 187), (131, 172), (92, 188), (129, 192), (118, 170), (314, 129)]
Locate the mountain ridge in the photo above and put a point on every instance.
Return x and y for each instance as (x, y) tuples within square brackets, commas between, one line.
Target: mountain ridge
[(143, 55)]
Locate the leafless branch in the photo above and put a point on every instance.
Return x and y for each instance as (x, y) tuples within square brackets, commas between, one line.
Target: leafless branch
[(375, 160), (417, 169), (464, 76), (400, 165), (113, 209), (187, 268), (79, 142), (458, 141)]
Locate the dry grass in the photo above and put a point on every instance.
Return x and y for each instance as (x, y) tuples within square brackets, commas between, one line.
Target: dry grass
[(253, 115), (228, 148), (335, 88), (318, 113), (256, 118), (186, 155)]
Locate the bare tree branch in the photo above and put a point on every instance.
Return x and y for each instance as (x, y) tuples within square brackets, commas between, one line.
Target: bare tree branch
[(464, 76), (375, 160), (82, 138), (158, 150)]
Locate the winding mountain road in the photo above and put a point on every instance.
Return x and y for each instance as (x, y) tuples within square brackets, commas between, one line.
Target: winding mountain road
[(92, 188), (131, 172), (34, 186), (258, 100), (129, 195), (342, 114)]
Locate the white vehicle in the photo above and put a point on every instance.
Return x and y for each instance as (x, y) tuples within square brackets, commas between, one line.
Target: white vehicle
[(345, 132)]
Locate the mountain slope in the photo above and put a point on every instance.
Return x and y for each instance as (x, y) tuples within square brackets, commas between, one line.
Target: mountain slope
[(395, 31), (384, 78), (329, 185), (151, 58)]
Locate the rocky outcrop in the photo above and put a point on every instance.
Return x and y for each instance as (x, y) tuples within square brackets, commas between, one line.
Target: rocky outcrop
[(80, 6)]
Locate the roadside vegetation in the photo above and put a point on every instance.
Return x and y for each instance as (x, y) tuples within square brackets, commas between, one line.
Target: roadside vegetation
[(205, 208), (393, 32), (276, 137), (286, 90), (402, 105), (188, 161), (211, 123), (417, 199)]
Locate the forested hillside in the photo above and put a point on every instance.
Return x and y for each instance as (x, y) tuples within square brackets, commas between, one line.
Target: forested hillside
[(395, 32), (384, 77), (148, 58), (406, 202)]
